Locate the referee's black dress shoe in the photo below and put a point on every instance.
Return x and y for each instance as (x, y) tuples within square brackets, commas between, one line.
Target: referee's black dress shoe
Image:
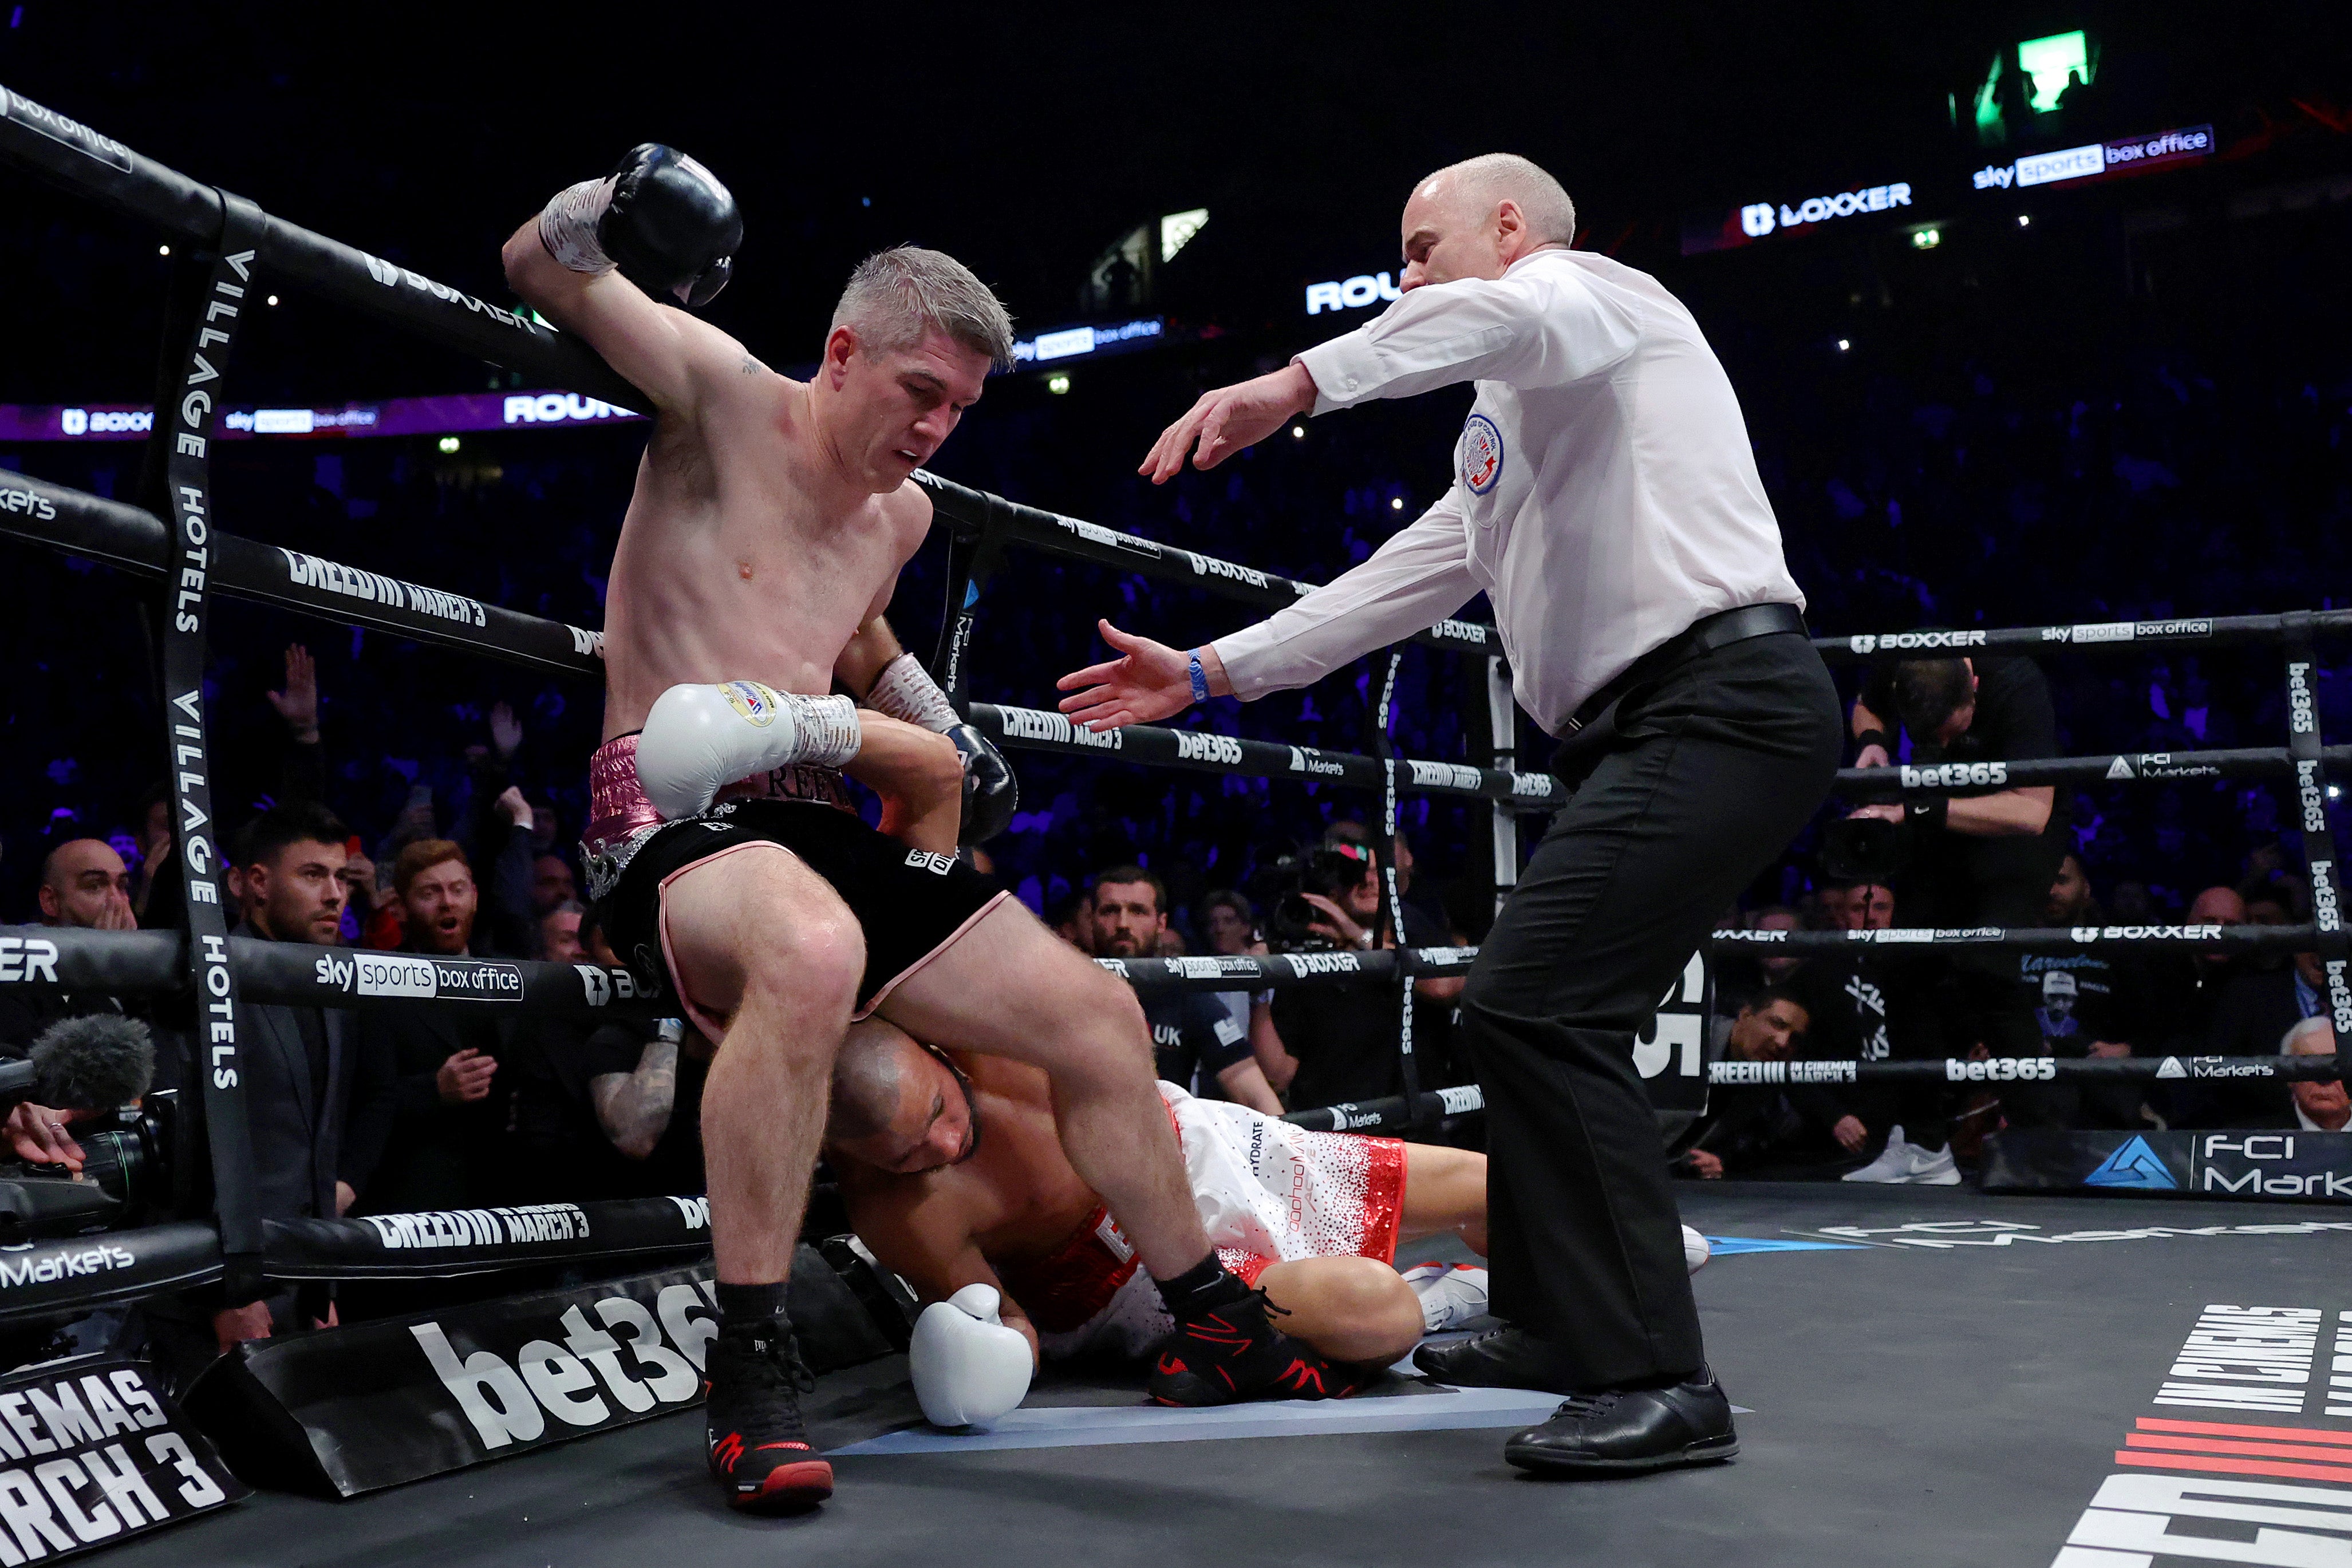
[(1628, 1431), (1505, 1358)]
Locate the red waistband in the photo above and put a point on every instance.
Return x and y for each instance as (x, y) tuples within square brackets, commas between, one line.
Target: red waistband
[(1063, 1291)]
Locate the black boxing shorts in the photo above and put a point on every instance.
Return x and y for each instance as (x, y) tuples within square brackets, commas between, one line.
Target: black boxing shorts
[(909, 904)]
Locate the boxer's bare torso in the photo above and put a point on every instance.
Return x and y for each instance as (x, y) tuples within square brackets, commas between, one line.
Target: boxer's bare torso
[(743, 555), (771, 516)]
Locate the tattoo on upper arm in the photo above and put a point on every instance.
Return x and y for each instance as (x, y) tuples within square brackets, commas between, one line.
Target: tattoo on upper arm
[(751, 367)]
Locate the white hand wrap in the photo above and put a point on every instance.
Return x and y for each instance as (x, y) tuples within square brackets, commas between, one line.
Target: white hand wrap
[(968, 1368), (905, 690), (567, 224), (698, 739)]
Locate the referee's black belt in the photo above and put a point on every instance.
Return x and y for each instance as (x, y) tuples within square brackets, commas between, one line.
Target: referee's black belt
[(1699, 638)]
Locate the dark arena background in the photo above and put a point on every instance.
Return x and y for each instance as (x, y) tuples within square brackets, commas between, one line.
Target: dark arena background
[(2038, 316)]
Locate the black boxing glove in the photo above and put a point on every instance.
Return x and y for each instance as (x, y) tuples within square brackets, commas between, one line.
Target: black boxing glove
[(992, 792), (660, 217)]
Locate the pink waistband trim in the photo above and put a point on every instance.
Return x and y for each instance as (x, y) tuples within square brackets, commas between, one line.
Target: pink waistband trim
[(617, 806)]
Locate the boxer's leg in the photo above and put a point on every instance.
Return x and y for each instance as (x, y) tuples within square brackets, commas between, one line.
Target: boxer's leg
[(1444, 1193), (1010, 988), (759, 943), (1351, 1309)]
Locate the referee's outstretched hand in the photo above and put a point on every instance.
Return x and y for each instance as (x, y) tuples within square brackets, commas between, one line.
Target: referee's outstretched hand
[(1228, 419), (1147, 681)]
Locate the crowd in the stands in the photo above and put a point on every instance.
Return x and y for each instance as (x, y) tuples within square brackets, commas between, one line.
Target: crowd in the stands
[(383, 794)]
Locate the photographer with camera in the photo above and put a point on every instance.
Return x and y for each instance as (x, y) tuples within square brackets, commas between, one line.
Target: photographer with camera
[(94, 1069), (1345, 1040)]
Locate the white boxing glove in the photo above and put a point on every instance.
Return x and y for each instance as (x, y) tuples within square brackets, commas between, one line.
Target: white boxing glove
[(1697, 1249), (699, 739), (968, 1367)]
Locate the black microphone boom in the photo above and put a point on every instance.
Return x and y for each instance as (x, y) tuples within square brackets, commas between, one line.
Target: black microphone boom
[(92, 1063)]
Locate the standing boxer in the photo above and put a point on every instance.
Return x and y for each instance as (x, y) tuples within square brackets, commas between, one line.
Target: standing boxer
[(769, 525), (1606, 501)]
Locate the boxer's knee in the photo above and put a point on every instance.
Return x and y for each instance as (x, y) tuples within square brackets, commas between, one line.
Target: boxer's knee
[(816, 960), (1351, 1309), (1095, 1028)]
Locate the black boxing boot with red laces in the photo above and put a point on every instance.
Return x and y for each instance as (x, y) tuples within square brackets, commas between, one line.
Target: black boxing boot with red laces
[(760, 1447), (1225, 1348)]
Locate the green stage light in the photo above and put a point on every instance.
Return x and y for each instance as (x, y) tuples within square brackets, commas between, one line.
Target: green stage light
[(2046, 61)]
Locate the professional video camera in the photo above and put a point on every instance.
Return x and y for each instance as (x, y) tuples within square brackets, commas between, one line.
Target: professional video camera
[(103, 1063), (1328, 870)]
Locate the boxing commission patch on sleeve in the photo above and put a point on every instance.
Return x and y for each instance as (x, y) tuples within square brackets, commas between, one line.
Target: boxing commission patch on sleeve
[(1482, 454)]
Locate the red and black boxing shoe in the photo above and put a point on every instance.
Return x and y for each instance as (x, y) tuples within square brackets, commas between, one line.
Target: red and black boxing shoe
[(1230, 1351), (760, 1448)]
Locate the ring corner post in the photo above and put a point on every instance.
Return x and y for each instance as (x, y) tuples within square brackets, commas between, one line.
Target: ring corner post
[(1408, 1062), (2319, 848), (189, 402), (973, 559), (1503, 726)]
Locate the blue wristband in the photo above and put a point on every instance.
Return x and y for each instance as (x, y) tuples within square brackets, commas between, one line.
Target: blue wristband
[(1200, 676)]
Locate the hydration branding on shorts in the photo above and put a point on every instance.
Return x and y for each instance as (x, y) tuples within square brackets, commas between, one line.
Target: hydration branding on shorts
[(1482, 454)]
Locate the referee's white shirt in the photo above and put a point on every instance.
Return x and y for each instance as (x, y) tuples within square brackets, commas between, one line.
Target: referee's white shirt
[(1604, 495)]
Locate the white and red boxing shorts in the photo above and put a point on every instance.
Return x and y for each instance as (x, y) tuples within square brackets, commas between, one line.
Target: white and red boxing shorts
[(1267, 1192)]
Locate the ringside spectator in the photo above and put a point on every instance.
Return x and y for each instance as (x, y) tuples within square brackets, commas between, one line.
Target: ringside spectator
[(1754, 1127), (447, 1147), (2320, 1106), (1981, 854), (1198, 1045), (315, 1109), (84, 885)]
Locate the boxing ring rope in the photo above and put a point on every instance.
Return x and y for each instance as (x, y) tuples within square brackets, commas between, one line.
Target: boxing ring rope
[(56, 517), (49, 1277)]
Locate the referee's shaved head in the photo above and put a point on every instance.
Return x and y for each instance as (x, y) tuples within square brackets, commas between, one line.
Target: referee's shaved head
[(1476, 186)]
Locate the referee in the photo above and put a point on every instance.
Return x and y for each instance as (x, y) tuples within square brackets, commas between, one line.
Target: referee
[(1605, 499)]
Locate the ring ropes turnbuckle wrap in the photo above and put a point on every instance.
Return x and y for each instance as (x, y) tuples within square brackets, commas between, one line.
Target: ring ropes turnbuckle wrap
[(180, 475), (91, 165)]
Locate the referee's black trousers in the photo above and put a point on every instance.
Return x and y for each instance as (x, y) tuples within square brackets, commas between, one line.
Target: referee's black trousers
[(1716, 765)]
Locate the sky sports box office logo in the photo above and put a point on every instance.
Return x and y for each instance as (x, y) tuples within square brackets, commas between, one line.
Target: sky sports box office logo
[(1779, 218)]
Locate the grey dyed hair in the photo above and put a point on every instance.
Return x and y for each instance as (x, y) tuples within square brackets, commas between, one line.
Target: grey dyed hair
[(1494, 177), (898, 295)]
